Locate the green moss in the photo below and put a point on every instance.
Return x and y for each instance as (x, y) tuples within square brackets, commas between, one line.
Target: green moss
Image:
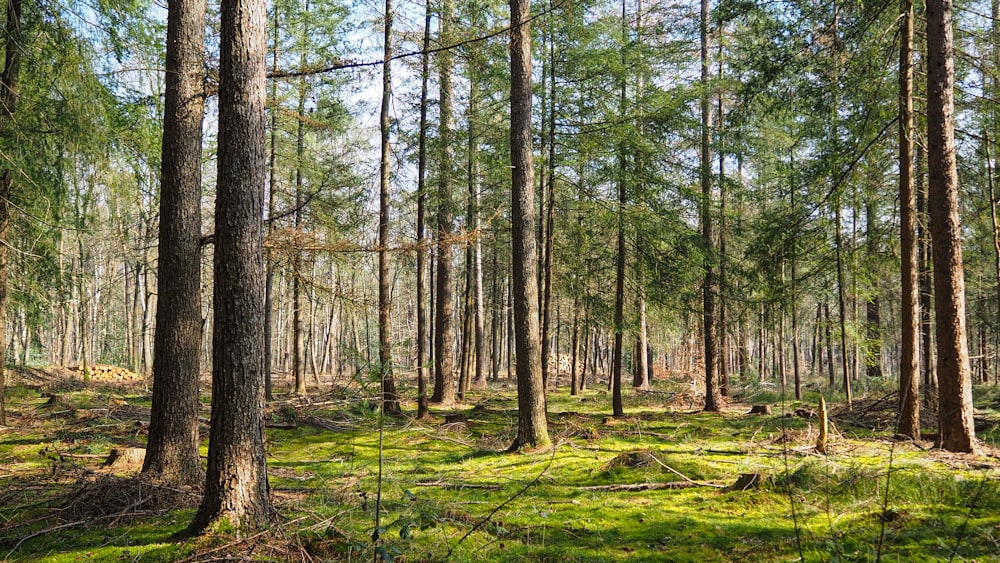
[(441, 481)]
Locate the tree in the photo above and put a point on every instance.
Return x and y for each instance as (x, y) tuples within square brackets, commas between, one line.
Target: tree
[(172, 447), (713, 402), (444, 361), (532, 427), (421, 211), (236, 486), (8, 105), (957, 432), (390, 400), (909, 376)]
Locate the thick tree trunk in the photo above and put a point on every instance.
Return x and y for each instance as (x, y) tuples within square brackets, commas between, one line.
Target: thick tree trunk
[(236, 488), (172, 447), (532, 428), (957, 432)]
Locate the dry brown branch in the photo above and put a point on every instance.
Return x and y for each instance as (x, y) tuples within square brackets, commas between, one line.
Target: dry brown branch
[(628, 487)]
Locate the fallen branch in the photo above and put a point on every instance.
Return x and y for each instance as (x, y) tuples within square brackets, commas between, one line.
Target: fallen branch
[(626, 487), (41, 533), (446, 485)]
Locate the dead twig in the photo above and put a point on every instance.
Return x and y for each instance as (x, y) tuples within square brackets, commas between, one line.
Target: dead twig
[(42, 533)]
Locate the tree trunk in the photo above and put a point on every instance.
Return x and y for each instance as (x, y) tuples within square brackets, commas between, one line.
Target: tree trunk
[(172, 447), (532, 428), (390, 399), (236, 488), (713, 401), (842, 301), (926, 286), (873, 315), (957, 432), (909, 375), (298, 330), (272, 183), (8, 101), (444, 358), (422, 321)]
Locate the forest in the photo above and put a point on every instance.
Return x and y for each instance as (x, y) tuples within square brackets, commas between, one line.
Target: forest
[(643, 280)]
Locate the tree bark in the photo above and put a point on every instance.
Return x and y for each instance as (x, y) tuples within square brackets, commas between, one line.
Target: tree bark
[(8, 103), (713, 401), (957, 432), (444, 357), (422, 321), (909, 375), (172, 447), (532, 428), (236, 488), (390, 398)]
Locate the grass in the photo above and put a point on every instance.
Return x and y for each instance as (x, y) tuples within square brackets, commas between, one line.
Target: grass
[(450, 494)]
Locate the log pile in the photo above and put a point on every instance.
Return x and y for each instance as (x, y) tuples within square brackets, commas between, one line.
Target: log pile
[(107, 373)]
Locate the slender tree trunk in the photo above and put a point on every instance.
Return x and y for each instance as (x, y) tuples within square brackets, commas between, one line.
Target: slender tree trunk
[(272, 183), (550, 210), (873, 316), (957, 432), (928, 364), (713, 402), (13, 49), (172, 447), (444, 359), (422, 321), (532, 428), (236, 488), (574, 378), (909, 375), (390, 399), (794, 306), (298, 330), (842, 302)]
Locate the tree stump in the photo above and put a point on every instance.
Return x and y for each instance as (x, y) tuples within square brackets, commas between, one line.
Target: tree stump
[(748, 481), (125, 458), (760, 409)]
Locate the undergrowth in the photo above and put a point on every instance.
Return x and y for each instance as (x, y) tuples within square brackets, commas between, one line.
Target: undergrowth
[(657, 485)]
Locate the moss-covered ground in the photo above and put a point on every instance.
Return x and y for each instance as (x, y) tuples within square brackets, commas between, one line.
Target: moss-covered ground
[(657, 485)]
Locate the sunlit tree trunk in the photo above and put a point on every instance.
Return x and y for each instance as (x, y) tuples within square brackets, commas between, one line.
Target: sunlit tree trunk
[(390, 399), (298, 323), (713, 402), (236, 488), (444, 358), (909, 375), (957, 432), (532, 428)]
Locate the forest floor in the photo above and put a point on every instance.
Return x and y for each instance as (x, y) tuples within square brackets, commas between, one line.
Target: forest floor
[(665, 483)]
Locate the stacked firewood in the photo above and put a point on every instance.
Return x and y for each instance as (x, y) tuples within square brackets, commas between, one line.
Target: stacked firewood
[(108, 373)]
